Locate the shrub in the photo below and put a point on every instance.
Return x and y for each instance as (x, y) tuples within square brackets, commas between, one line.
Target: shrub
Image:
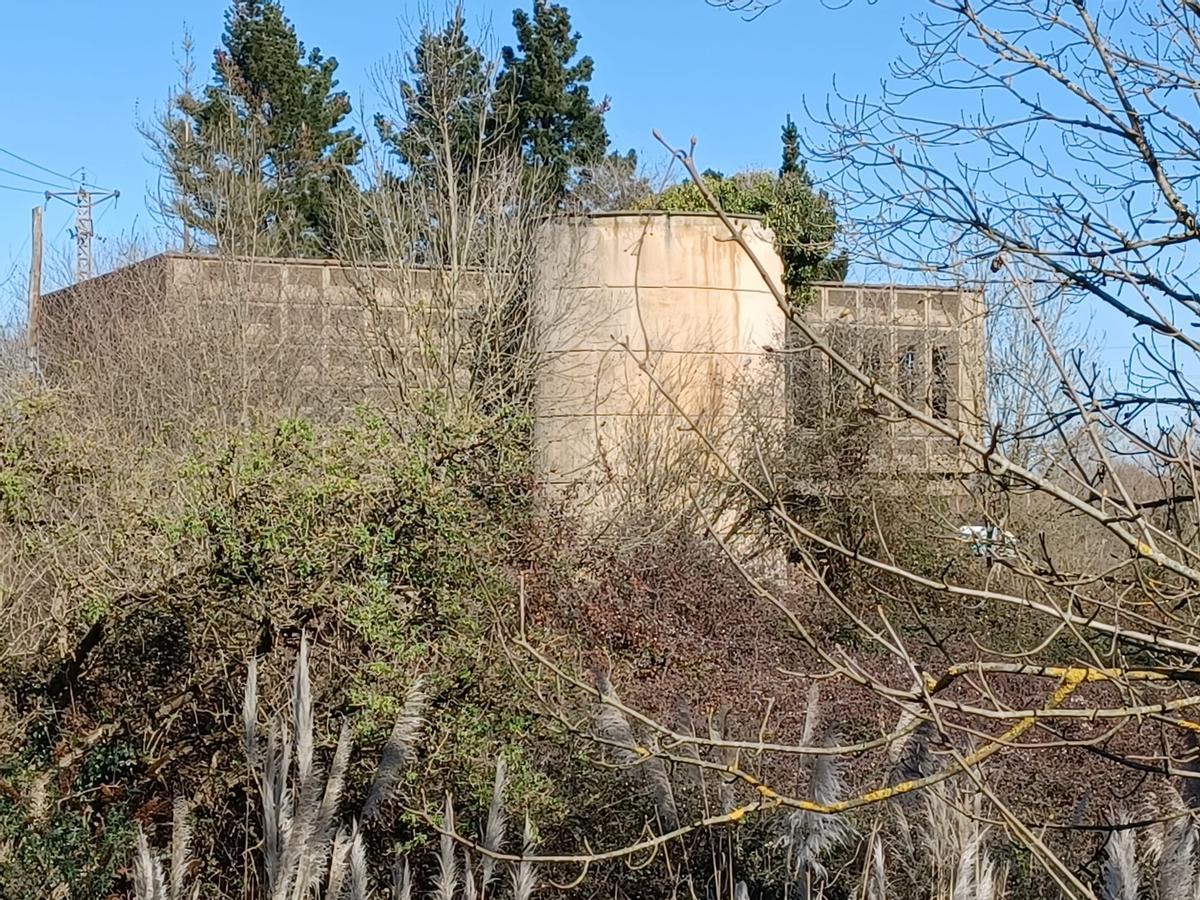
[(392, 549), (307, 842), (803, 219)]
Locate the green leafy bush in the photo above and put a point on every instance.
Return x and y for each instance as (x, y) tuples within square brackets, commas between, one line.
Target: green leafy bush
[(394, 551), (802, 219)]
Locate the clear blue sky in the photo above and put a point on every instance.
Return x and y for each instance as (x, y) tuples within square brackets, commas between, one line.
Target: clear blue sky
[(80, 74)]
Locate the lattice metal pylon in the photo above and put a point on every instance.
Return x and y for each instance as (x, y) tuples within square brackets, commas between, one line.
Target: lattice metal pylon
[(83, 200)]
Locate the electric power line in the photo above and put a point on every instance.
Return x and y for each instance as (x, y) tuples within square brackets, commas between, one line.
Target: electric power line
[(30, 162), (12, 271), (60, 231), (83, 200), (68, 179), (59, 185)]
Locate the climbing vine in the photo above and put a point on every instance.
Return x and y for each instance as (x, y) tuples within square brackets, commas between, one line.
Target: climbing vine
[(802, 219)]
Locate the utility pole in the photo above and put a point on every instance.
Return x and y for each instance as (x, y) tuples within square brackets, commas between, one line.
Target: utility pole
[(35, 288), (83, 200), (84, 231)]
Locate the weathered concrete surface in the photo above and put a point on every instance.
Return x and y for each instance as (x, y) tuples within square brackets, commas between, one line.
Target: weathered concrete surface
[(927, 344), (647, 324), (305, 336)]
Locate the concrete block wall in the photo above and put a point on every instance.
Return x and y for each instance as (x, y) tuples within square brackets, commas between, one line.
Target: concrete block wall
[(928, 344), (336, 334), (645, 323)]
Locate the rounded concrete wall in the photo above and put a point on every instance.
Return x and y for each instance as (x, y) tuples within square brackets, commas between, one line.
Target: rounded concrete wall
[(644, 321)]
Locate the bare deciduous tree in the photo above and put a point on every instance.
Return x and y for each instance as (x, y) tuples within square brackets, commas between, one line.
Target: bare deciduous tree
[(1069, 183)]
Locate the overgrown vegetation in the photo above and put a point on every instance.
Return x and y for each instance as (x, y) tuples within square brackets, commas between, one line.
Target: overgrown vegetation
[(813, 685), (305, 843), (261, 161), (272, 111), (802, 218), (391, 552)]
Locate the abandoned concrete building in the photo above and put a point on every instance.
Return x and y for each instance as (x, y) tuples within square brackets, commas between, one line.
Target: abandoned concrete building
[(642, 323)]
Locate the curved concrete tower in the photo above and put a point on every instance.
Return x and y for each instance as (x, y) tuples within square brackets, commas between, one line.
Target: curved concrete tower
[(652, 327)]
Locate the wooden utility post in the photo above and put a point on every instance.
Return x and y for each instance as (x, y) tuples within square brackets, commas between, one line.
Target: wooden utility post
[(35, 285)]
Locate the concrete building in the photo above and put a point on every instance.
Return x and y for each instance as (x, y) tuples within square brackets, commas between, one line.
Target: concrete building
[(652, 327), (655, 337), (927, 344), (656, 327)]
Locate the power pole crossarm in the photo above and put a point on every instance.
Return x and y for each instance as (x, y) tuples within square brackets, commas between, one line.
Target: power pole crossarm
[(84, 201)]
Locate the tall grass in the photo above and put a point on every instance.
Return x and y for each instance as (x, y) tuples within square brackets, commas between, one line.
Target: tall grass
[(312, 846)]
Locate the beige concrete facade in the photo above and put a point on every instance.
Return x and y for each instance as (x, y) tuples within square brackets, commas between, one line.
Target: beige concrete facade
[(656, 341), (926, 344), (646, 323), (305, 336)]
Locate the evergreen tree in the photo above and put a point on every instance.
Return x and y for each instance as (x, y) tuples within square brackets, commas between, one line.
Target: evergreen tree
[(447, 84), (791, 149), (804, 216), (805, 224), (551, 111), (802, 219), (260, 159)]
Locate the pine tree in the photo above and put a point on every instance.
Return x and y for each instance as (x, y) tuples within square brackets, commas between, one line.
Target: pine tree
[(791, 149), (447, 84), (259, 160), (551, 112), (808, 217)]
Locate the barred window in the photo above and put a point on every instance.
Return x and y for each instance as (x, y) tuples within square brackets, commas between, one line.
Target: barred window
[(939, 395), (908, 373)]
